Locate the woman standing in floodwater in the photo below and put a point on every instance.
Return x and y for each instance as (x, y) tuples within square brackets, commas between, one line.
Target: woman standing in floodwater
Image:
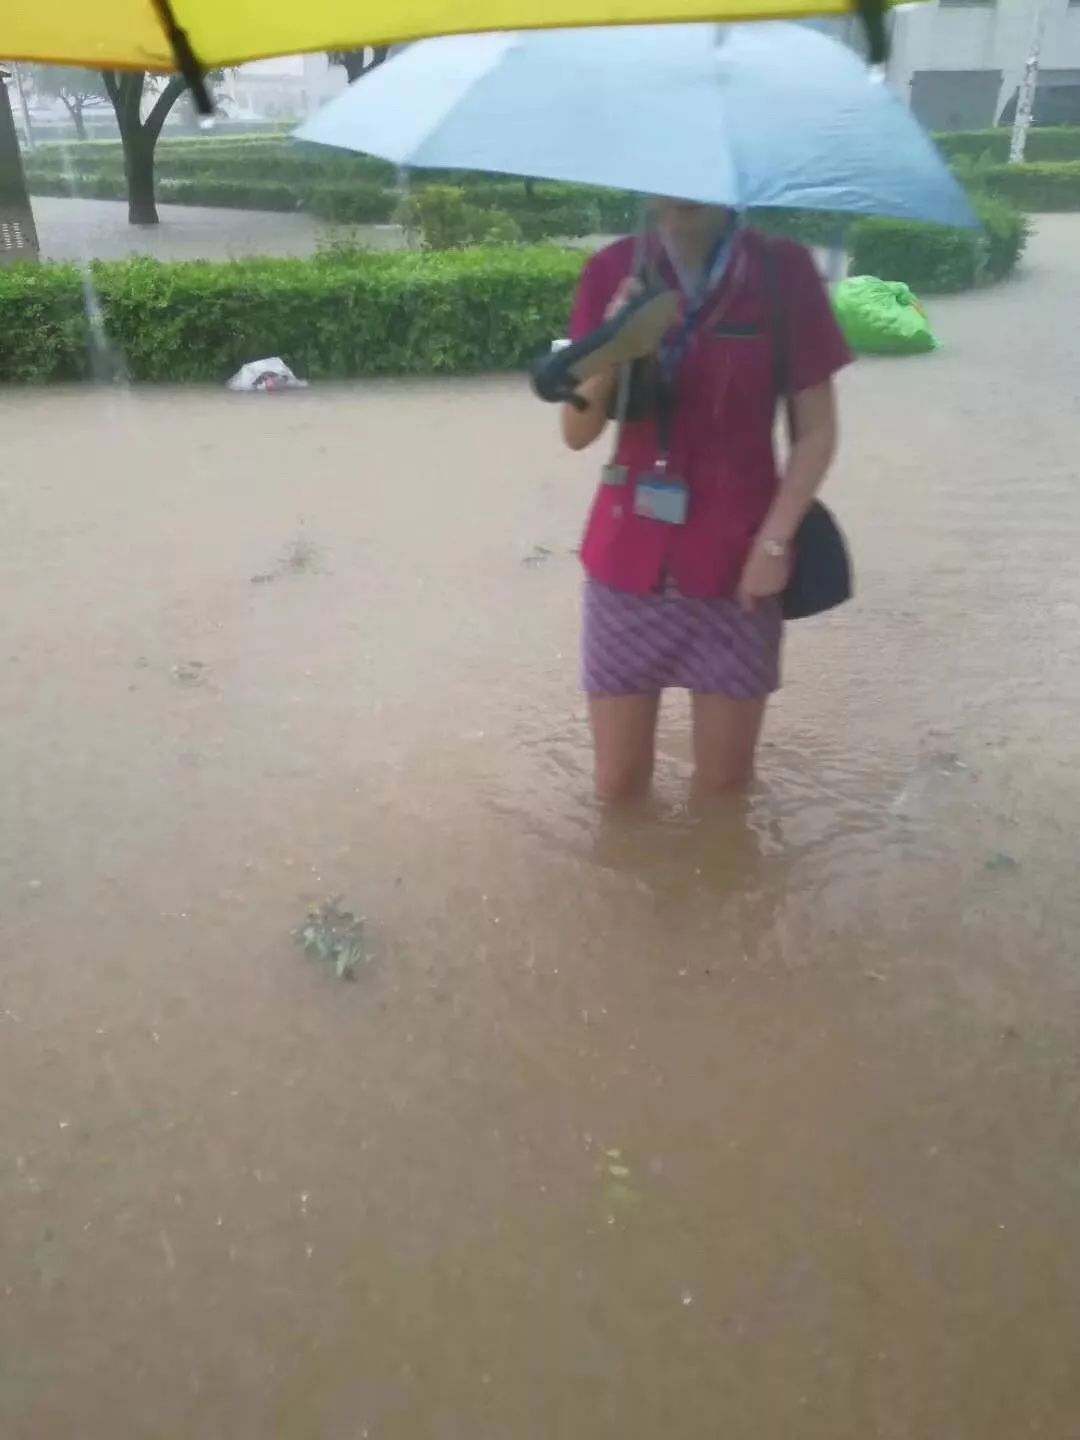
[(689, 542)]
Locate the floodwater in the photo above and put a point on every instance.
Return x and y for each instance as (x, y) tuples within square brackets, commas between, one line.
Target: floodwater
[(754, 1124)]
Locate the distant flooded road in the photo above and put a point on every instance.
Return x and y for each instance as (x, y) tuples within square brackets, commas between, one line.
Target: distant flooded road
[(760, 1125)]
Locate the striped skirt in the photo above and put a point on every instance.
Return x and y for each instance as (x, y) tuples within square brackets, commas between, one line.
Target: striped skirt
[(642, 644)]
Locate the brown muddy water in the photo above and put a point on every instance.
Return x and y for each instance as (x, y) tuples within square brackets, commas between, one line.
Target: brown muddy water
[(754, 1125)]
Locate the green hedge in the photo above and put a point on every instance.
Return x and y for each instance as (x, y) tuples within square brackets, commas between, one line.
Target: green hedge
[(1044, 185), (363, 313), (936, 258), (277, 158), (229, 194), (173, 143), (356, 203), (55, 165), (353, 203), (289, 165), (1051, 142), (105, 186), (343, 314), (358, 189), (809, 227), (277, 173)]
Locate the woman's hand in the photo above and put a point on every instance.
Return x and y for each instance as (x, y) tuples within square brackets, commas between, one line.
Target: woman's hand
[(581, 427), (763, 575)]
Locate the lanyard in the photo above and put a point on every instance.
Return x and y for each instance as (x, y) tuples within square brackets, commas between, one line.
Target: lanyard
[(673, 352)]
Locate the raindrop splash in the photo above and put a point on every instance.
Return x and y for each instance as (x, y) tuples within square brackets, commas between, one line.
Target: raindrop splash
[(106, 361)]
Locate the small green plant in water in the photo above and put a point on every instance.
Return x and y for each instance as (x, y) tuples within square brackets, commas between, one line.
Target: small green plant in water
[(334, 935), (619, 1190)]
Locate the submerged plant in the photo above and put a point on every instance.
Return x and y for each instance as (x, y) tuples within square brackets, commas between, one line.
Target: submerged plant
[(334, 935)]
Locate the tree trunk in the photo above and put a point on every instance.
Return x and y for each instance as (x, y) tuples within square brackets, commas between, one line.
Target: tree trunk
[(1025, 96), (139, 136), (139, 165), (75, 115)]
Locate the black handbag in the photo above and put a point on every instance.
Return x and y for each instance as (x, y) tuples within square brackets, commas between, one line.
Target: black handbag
[(821, 576)]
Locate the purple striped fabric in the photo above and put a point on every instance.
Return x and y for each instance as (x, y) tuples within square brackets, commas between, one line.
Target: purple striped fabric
[(641, 644)]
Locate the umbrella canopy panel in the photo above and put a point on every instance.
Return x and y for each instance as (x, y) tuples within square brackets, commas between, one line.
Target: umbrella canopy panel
[(745, 115)]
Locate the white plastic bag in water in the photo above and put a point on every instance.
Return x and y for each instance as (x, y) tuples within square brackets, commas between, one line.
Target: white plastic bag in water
[(269, 374)]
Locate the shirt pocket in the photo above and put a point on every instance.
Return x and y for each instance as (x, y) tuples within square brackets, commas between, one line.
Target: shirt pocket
[(737, 330), (737, 371)]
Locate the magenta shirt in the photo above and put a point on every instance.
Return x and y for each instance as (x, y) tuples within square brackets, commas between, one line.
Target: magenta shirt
[(722, 437)]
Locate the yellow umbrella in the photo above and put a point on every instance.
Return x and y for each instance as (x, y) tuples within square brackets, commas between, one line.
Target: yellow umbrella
[(191, 35)]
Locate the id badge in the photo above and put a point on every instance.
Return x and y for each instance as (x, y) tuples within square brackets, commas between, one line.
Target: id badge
[(661, 497)]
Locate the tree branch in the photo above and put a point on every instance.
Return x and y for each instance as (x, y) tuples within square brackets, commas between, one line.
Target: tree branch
[(162, 105)]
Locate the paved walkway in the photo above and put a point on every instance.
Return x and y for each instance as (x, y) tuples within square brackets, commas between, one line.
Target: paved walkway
[(99, 230)]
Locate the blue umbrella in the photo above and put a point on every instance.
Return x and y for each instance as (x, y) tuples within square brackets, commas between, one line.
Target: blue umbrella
[(746, 115)]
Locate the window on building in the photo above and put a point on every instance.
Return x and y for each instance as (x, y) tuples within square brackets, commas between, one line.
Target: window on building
[(1057, 100), (955, 99)]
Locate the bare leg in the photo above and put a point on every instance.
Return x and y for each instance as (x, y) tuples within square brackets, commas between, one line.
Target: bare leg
[(624, 744), (725, 738)]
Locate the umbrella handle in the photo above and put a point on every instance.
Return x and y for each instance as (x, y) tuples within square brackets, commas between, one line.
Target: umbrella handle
[(186, 61), (555, 382), (872, 15)]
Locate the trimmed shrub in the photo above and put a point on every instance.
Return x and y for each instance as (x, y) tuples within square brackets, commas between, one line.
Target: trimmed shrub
[(560, 222), (273, 135), (547, 209), (106, 186), (809, 227), (230, 194), (343, 203), (1043, 185), (350, 203), (274, 159), (1050, 142), (1004, 238), (311, 164), (937, 258), (45, 163), (342, 314), (440, 217)]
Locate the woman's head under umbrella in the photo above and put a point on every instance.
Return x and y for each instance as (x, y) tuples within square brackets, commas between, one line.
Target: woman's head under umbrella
[(688, 224)]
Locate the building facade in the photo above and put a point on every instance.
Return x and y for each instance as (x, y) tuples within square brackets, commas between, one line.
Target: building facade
[(959, 62)]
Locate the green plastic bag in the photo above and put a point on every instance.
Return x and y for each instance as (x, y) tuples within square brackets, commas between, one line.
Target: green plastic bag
[(882, 317)]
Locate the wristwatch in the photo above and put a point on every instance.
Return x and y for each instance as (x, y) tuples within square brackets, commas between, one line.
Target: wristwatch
[(775, 549)]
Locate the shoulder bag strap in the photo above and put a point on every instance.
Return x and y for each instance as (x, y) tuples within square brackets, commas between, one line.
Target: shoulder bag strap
[(778, 333)]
